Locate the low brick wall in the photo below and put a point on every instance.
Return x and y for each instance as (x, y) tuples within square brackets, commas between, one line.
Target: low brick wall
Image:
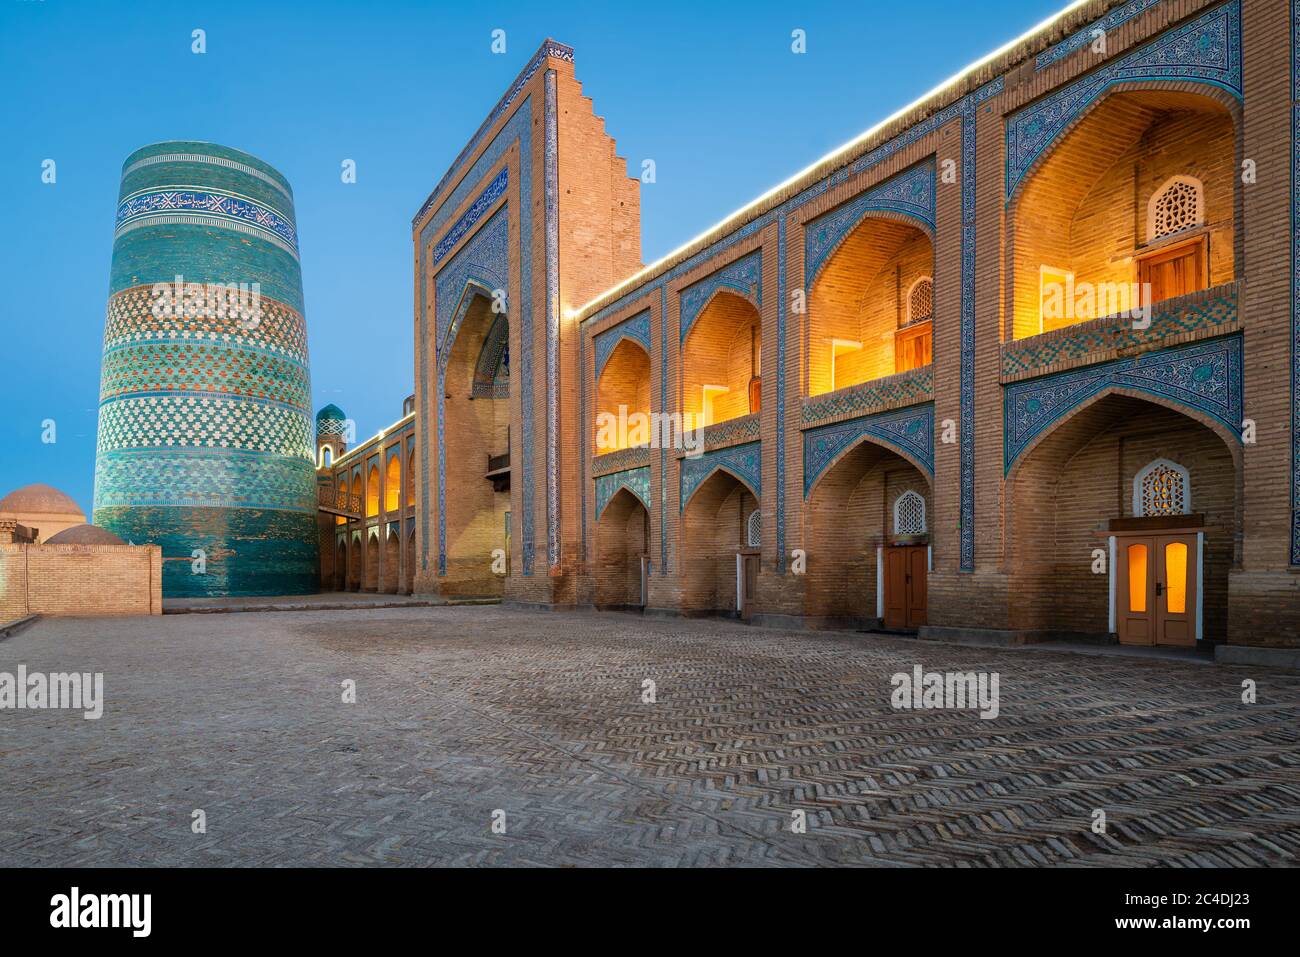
[(89, 580)]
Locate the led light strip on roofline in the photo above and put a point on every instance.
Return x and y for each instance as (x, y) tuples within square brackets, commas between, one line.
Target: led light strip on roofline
[(383, 433), (850, 145)]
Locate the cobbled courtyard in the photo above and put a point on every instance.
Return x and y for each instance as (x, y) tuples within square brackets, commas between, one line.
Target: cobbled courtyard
[(464, 712)]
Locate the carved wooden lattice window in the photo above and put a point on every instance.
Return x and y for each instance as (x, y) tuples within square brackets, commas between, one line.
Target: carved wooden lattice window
[(909, 514), (920, 300), (1176, 206), (1162, 488), (754, 529)]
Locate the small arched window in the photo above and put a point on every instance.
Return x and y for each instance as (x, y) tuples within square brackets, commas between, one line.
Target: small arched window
[(326, 456), (909, 514), (920, 300), (1177, 205), (1162, 488), (754, 529)]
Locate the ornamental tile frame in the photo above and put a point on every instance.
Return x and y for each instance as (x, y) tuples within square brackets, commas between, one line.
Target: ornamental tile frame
[(743, 462), (637, 328), (1083, 38), (909, 194), (1205, 50), (878, 395), (1205, 378), (621, 461), (1206, 314), (909, 432), (552, 225), (636, 481), (744, 277), (731, 432)]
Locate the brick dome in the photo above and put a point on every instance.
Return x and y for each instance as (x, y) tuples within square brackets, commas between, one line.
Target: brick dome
[(39, 499), (84, 535)]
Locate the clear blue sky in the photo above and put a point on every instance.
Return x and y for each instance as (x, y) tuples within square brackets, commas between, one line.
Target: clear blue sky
[(399, 87)]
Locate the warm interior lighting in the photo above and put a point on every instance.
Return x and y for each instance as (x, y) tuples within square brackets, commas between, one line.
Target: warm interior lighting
[(1137, 578), (710, 392), (372, 492), (1054, 298), (838, 348), (1176, 577)]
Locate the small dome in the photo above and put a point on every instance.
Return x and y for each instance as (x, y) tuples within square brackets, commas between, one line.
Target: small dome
[(84, 535), (331, 420), (39, 499)]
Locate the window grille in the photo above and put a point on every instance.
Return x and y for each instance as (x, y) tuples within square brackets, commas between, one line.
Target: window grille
[(909, 514)]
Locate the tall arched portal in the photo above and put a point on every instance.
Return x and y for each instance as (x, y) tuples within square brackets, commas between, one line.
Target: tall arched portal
[(716, 527), (476, 430), (1124, 519), (622, 552), (868, 534)]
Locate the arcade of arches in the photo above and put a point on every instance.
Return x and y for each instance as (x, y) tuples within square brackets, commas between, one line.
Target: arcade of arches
[(1016, 367)]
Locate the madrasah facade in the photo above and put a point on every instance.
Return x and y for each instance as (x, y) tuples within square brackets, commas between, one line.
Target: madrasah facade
[(1020, 363)]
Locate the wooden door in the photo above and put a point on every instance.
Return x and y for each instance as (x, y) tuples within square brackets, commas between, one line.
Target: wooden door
[(906, 586), (1175, 271), (895, 588), (1175, 586), (913, 346), (1135, 594), (1156, 593), (918, 567)]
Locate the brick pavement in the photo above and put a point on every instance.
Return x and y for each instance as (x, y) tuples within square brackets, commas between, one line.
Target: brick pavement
[(463, 711)]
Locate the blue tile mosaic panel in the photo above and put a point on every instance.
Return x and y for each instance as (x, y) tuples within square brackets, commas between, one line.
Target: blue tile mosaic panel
[(205, 435), (1205, 377), (1206, 50), (910, 193), (745, 462), (907, 431), (636, 481)]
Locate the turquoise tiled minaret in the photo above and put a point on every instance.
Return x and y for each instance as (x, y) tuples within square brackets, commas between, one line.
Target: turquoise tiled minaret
[(206, 443)]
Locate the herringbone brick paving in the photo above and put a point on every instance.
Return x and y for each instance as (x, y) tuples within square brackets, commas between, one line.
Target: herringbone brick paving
[(463, 711)]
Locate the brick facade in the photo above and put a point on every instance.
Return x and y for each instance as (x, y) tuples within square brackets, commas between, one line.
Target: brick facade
[(1022, 440), (80, 580)]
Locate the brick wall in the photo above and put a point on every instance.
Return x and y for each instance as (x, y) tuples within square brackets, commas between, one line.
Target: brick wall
[(1083, 208), (849, 514), (89, 580)]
